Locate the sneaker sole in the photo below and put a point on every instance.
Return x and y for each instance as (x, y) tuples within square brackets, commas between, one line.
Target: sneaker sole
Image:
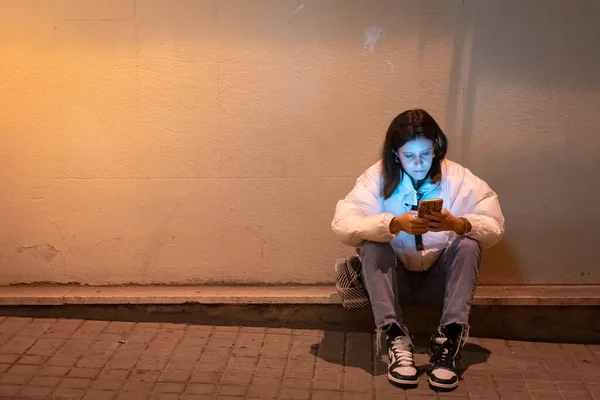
[(443, 385), (404, 382)]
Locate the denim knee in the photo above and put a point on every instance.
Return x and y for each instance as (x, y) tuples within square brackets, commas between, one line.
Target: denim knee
[(368, 245), (465, 253), (377, 255), (466, 244), (376, 249)]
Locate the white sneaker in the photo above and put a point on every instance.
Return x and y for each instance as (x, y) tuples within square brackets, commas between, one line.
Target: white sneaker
[(445, 356), (401, 365)]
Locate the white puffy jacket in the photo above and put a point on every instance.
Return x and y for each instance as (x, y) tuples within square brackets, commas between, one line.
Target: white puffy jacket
[(365, 215)]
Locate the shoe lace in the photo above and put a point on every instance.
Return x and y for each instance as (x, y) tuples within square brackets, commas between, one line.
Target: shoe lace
[(402, 348), (445, 354)]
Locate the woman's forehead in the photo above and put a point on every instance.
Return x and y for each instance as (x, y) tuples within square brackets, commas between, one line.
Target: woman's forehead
[(417, 145)]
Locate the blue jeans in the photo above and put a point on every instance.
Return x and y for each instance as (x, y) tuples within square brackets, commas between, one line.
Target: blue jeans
[(450, 282)]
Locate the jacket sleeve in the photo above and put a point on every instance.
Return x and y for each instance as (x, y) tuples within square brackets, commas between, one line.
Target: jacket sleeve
[(359, 216), (482, 210)]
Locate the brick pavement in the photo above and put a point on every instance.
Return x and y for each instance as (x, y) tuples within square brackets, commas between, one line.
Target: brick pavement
[(104, 360)]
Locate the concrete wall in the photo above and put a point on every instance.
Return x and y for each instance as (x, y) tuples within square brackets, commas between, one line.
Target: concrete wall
[(181, 141)]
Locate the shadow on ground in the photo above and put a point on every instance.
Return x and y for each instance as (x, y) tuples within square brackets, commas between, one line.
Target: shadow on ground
[(359, 350)]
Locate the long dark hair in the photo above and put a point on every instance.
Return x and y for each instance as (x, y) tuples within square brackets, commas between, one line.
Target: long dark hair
[(410, 125)]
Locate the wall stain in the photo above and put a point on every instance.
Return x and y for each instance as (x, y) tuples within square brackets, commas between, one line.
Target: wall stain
[(46, 251)]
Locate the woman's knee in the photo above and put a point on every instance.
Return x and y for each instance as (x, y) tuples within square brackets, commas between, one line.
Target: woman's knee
[(466, 244), (367, 244), (377, 253), (464, 256), (376, 248)]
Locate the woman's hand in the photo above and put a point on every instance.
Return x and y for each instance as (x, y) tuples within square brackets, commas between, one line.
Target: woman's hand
[(409, 223), (444, 221)]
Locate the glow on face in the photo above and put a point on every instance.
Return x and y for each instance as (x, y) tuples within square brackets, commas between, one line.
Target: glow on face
[(416, 157)]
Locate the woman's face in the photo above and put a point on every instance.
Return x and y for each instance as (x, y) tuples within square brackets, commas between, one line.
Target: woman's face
[(416, 157)]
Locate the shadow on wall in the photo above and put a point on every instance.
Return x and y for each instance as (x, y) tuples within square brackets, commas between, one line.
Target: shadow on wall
[(535, 51), (553, 45)]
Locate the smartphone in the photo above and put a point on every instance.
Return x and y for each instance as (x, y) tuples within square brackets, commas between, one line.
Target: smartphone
[(429, 206)]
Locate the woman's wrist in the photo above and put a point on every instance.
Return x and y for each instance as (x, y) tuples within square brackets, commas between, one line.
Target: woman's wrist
[(460, 226), (463, 226), (395, 226)]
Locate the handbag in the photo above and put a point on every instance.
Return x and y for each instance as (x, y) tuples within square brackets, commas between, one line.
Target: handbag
[(348, 283)]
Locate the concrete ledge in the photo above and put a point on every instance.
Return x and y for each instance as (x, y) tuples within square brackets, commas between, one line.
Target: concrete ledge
[(67, 294), (555, 313), (23, 295)]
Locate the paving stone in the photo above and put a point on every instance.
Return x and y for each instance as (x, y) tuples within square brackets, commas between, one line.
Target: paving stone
[(44, 358)]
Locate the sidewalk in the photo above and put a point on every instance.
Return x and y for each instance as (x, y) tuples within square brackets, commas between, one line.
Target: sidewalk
[(75, 359)]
